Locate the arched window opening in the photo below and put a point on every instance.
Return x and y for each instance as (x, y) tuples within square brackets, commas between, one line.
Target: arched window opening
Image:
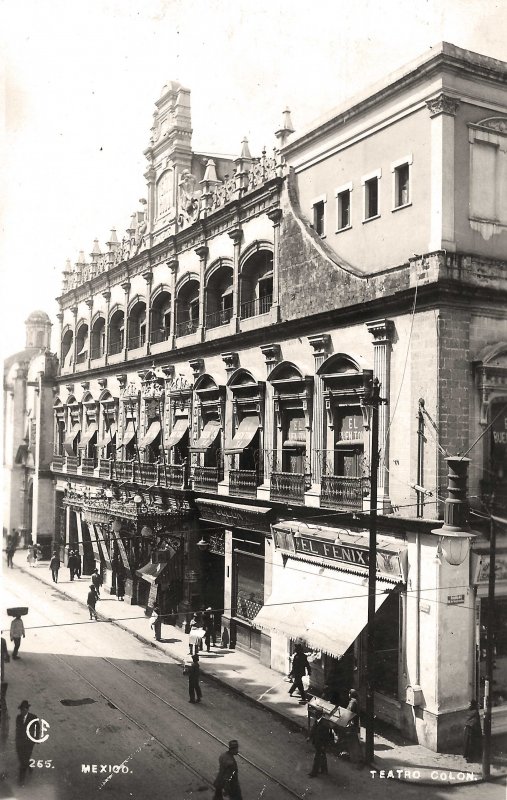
[(161, 318), (137, 326), (187, 309), (98, 342), (67, 349), (116, 332), (219, 297), (82, 344), (257, 284)]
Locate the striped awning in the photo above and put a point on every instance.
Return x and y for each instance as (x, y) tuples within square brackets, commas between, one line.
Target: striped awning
[(207, 437), (247, 429), (150, 435)]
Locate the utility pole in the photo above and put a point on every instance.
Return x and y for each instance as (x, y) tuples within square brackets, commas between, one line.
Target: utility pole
[(490, 644), (373, 401)]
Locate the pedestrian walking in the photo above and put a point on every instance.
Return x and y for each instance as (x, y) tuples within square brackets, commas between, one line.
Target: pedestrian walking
[(194, 688), (209, 629), (97, 581), (78, 563), (320, 738), (10, 548), (71, 563), (29, 556), (17, 631), (157, 623), (91, 600), (120, 587), (227, 781), (353, 729), (24, 744), (300, 666), (54, 566), (472, 734), (37, 553), (196, 634), (5, 658)]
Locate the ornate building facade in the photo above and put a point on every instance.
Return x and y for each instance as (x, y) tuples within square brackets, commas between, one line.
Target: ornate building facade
[(212, 422)]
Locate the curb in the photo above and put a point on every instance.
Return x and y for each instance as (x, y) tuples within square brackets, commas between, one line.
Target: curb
[(268, 709)]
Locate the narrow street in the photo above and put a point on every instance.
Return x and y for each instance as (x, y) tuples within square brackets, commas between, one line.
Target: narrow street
[(112, 701)]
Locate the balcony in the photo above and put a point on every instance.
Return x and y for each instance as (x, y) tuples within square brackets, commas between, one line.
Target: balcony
[(72, 463), (159, 335), (58, 462), (243, 482), (170, 476), (289, 487), (105, 468), (115, 346), (173, 476), (88, 465), (186, 327), (218, 318), (137, 341), (255, 308), (343, 492), (123, 470), (81, 357), (147, 474), (206, 479), (97, 352)]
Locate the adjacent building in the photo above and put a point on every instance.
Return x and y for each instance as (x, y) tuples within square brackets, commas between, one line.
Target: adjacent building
[(212, 419)]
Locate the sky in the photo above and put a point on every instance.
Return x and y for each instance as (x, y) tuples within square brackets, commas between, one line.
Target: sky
[(79, 81)]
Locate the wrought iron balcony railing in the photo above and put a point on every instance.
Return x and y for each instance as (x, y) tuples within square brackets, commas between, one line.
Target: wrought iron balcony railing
[(173, 476), (88, 465), (137, 341), (243, 482), (81, 357), (206, 478), (115, 346), (186, 327), (343, 492), (256, 307), (72, 463), (97, 352), (58, 461), (159, 335), (218, 318), (289, 487), (157, 474), (105, 468)]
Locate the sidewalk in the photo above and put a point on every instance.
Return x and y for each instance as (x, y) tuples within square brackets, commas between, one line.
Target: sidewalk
[(247, 677)]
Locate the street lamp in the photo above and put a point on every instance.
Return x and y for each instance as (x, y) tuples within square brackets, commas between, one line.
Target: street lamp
[(455, 535), (203, 545)]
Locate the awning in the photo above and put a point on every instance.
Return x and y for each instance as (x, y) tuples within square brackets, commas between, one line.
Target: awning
[(21, 453), (70, 439), (87, 436), (108, 437), (178, 432), (207, 437), (326, 608), (151, 572), (128, 435), (150, 435), (247, 429)]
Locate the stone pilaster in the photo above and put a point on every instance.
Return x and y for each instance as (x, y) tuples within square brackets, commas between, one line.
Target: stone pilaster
[(74, 340), (202, 252), (382, 330), (148, 277), (236, 235), (231, 362), (107, 297), (271, 353), (172, 264), (442, 109), (275, 215), (126, 288), (320, 345), (89, 303)]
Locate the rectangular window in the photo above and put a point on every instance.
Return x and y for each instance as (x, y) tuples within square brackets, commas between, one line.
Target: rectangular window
[(371, 198), (343, 209), (401, 185), (318, 217)]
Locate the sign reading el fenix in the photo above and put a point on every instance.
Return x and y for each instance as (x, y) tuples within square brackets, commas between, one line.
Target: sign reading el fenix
[(389, 562)]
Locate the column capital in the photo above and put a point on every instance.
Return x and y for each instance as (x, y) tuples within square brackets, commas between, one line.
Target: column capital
[(59, 316), (272, 354), (197, 366), (275, 215), (89, 302), (125, 286), (381, 330), (122, 379), (202, 251), (148, 275), (172, 264), (443, 104), (231, 361), (236, 234), (106, 295), (70, 388), (320, 344), (102, 382), (73, 309), (85, 385)]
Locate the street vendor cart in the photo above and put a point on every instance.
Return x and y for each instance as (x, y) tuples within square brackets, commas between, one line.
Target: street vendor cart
[(339, 721)]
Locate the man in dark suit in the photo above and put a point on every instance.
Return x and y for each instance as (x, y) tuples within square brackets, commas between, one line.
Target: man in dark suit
[(319, 737), (24, 744), (300, 665)]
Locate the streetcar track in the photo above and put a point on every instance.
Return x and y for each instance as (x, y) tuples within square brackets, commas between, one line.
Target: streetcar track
[(178, 711)]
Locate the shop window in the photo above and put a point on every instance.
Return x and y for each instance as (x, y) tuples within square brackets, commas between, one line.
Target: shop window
[(294, 444)]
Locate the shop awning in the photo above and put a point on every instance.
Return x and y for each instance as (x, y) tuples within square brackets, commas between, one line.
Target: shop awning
[(87, 436), (207, 437), (128, 435), (324, 607), (150, 435), (108, 437), (179, 430), (68, 444), (247, 429), (21, 453), (151, 572)]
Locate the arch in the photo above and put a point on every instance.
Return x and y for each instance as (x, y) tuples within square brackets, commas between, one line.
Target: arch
[(82, 341), (241, 377), (98, 336), (67, 349), (205, 381), (256, 281), (188, 276), (490, 353), (66, 328), (98, 315), (253, 249), (105, 396), (219, 294), (285, 371), (187, 306), (162, 287), (87, 398), (137, 323), (138, 298), (342, 363), (114, 310), (116, 330), (216, 265)]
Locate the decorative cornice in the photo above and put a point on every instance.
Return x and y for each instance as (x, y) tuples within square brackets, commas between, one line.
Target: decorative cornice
[(381, 330), (443, 104), (271, 352), (275, 215), (102, 382), (202, 251), (85, 385), (236, 234), (197, 366), (70, 388), (122, 379)]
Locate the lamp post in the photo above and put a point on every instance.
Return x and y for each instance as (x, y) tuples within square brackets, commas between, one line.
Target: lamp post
[(486, 750)]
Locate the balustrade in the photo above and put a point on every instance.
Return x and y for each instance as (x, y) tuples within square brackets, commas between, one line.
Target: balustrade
[(58, 461), (115, 346), (88, 465), (343, 492), (289, 487), (159, 335), (137, 341), (173, 476), (243, 482), (256, 307), (105, 468), (206, 478), (218, 318), (72, 463), (186, 327)]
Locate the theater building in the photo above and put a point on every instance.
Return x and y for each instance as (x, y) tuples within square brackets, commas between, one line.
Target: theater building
[(212, 416)]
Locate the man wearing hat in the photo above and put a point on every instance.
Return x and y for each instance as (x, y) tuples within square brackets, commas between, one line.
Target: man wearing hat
[(319, 737), (300, 665), (209, 628), (24, 744), (227, 778)]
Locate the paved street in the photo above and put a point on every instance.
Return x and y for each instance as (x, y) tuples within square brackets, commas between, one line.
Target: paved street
[(112, 700)]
